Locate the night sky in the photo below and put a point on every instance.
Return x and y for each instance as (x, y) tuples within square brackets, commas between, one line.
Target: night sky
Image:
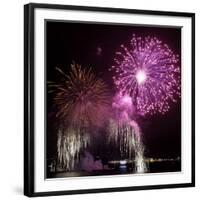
[(94, 45)]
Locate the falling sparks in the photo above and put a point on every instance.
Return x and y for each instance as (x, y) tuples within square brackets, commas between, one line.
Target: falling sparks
[(128, 138), (150, 73), (69, 145), (125, 133), (82, 101)]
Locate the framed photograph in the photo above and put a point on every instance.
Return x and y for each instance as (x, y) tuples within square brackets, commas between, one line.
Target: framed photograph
[(108, 99)]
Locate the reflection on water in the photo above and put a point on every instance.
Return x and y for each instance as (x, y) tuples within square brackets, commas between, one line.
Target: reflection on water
[(120, 167)]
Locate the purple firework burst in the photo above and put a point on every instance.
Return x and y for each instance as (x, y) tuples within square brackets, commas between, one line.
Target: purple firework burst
[(149, 72)]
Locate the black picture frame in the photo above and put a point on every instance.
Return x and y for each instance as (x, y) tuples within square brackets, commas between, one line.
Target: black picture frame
[(29, 81)]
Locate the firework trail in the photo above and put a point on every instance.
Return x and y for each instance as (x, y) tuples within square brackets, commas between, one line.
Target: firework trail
[(82, 101), (125, 132), (149, 72)]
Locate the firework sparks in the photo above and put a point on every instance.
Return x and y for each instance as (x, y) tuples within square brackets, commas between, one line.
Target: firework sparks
[(125, 132), (127, 137), (82, 98), (69, 145), (82, 101), (149, 72)]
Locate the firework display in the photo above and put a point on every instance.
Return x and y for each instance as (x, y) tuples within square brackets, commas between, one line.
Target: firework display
[(82, 99), (82, 102), (149, 72), (108, 100), (102, 117), (125, 133)]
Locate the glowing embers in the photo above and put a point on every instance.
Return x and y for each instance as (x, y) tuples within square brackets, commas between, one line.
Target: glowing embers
[(141, 76)]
